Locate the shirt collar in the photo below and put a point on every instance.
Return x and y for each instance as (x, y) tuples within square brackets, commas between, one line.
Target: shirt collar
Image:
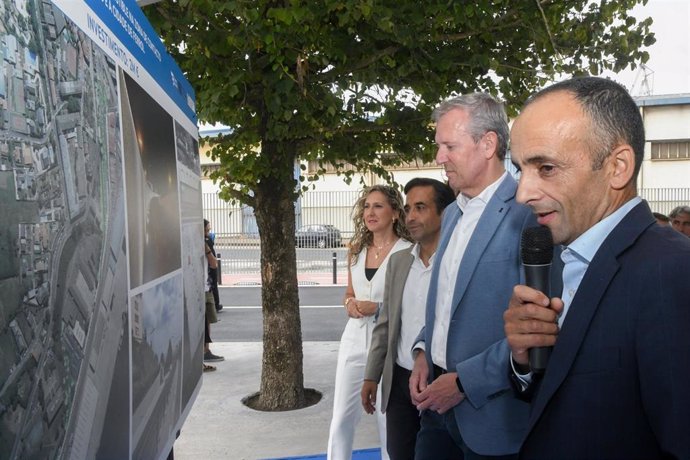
[(484, 197), (415, 253), (587, 244)]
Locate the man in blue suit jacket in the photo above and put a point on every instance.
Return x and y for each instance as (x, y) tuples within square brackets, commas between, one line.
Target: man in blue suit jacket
[(460, 380), (617, 385)]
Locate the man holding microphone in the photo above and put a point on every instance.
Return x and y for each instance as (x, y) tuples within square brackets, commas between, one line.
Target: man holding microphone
[(617, 382)]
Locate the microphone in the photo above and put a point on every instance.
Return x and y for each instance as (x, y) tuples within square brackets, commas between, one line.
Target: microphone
[(536, 250)]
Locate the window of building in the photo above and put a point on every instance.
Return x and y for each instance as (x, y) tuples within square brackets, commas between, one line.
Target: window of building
[(671, 149)]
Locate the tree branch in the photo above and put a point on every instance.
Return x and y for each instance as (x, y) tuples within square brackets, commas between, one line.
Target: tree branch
[(548, 30)]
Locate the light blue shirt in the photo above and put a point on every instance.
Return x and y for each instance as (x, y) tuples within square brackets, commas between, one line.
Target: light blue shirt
[(576, 258)]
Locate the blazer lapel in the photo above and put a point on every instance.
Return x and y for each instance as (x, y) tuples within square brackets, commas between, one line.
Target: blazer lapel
[(402, 270), (451, 215), (494, 213), (601, 271)]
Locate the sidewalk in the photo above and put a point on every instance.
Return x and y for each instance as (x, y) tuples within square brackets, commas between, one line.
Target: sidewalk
[(219, 426), (254, 279)]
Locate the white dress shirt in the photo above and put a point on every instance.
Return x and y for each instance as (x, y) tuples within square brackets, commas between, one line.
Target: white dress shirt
[(413, 307), (472, 209)]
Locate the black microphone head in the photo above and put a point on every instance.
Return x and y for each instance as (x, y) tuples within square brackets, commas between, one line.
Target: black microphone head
[(536, 246)]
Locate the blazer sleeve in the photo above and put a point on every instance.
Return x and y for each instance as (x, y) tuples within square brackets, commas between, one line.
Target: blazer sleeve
[(379, 337), (663, 353)]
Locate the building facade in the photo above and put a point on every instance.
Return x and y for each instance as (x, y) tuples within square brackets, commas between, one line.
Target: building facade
[(664, 178)]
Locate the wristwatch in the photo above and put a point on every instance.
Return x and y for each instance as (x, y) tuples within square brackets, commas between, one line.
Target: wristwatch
[(457, 382)]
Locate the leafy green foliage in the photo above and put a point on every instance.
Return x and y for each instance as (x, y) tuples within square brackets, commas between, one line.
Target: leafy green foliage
[(341, 80)]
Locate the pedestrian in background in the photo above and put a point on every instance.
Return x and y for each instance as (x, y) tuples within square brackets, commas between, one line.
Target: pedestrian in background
[(209, 237), (680, 219), (211, 263)]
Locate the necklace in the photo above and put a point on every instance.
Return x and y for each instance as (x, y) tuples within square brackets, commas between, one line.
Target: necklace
[(379, 249)]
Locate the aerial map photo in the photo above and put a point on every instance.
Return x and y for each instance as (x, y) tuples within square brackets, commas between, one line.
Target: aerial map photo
[(85, 276)]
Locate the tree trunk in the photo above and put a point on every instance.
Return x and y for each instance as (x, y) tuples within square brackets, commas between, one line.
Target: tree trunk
[(282, 379)]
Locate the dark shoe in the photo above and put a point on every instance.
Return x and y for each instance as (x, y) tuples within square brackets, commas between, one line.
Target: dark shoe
[(208, 368), (219, 308), (211, 358)]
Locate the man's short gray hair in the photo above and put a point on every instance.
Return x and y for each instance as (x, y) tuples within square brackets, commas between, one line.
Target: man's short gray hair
[(679, 210), (486, 114)]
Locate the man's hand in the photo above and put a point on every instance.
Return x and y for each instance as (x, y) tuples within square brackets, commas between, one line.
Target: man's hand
[(531, 320), (418, 377), (368, 394), (442, 395)]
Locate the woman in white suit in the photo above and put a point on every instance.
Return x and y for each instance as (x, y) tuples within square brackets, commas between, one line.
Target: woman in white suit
[(380, 230)]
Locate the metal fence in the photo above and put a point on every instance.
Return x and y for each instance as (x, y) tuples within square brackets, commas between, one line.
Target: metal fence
[(237, 237), (663, 200), (233, 221)]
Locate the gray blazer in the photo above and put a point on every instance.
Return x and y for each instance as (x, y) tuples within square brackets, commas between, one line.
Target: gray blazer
[(383, 351), (490, 419)]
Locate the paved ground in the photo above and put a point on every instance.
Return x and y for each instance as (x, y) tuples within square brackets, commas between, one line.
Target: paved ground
[(219, 426), (254, 279)]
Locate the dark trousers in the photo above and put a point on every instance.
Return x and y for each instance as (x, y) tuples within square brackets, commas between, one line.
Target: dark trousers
[(402, 417), (207, 331), (439, 439), (213, 275)]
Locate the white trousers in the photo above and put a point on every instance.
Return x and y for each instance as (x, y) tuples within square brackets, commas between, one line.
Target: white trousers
[(347, 403)]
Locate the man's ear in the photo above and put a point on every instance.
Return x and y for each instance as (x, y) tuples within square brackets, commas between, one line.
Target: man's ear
[(622, 162), (489, 142)]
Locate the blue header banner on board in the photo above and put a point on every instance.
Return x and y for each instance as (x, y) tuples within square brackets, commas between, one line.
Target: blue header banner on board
[(128, 23)]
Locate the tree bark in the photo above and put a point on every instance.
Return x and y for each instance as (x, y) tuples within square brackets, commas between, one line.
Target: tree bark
[(282, 379)]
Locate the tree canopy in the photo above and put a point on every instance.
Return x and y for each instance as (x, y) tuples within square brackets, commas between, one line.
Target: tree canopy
[(344, 80)]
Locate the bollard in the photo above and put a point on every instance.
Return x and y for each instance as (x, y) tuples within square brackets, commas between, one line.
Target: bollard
[(335, 268), (220, 270)]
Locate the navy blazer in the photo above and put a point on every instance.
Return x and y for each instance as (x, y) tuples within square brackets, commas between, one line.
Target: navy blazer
[(490, 419), (618, 381)]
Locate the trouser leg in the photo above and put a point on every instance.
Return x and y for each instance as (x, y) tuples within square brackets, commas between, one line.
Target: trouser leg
[(402, 417)]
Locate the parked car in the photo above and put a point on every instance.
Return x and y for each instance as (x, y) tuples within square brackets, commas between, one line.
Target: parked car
[(318, 236)]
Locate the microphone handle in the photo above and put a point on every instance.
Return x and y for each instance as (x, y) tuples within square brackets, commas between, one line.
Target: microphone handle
[(538, 277)]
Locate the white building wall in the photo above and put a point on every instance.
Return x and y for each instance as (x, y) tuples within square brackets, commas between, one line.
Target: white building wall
[(670, 122), (334, 183)]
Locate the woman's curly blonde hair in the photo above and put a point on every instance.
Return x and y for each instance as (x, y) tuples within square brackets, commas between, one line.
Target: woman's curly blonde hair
[(363, 237)]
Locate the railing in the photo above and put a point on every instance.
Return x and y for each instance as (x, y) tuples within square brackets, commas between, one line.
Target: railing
[(663, 200), (232, 221), (240, 263), (238, 243)]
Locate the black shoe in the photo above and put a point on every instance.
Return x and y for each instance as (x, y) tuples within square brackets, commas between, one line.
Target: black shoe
[(211, 358), (219, 308)]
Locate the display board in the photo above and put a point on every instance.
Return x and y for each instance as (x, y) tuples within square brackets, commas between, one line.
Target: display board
[(101, 252)]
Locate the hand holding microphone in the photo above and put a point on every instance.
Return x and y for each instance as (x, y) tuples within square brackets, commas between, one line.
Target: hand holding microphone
[(531, 319), (536, 250)]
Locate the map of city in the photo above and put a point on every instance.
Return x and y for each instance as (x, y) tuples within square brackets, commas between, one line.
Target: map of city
[(101, 314)]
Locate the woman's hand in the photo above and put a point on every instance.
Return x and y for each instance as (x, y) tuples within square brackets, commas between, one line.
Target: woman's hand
[(351, 308), (367, 307)]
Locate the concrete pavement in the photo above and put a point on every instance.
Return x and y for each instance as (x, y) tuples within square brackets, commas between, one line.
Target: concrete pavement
[(219, 426), (306, 279)]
